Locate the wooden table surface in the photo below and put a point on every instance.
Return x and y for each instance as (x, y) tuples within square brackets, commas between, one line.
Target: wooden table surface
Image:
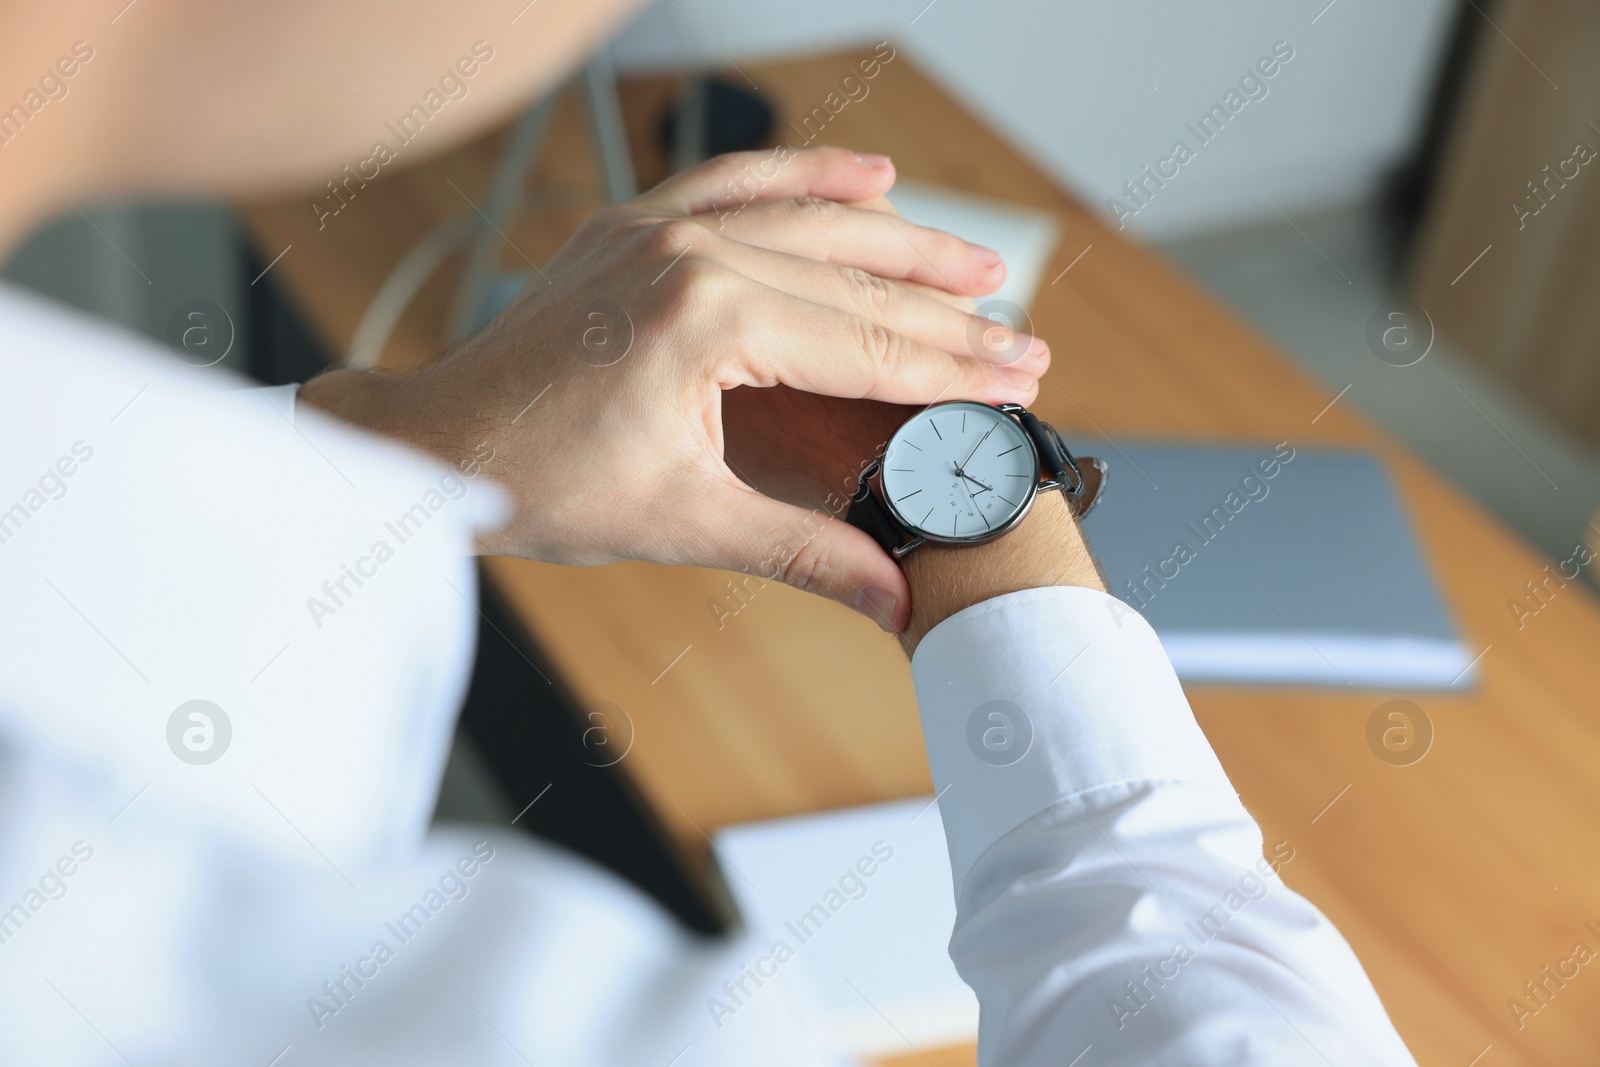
[(1457, 878)]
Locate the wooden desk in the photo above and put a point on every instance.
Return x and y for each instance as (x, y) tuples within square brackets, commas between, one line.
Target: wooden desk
[(1456, 879)]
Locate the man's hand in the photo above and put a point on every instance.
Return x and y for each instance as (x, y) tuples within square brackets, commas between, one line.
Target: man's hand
[(600, 390)]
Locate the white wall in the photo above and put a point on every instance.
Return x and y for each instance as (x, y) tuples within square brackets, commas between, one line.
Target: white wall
[(1093, 109)]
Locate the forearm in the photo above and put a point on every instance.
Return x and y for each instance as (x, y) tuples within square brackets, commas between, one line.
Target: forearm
[(470, 425), (1047, 549), (1111, 889), (392, 405)]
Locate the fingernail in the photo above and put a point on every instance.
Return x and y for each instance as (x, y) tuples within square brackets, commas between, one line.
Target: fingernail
[(1016, 378), (877, 605), (1031, 345), (987, 256), (872, 160)]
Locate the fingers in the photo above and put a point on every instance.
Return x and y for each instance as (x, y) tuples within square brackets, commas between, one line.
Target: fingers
[(814, 551), (875, 241), (884, 205), (728, 183), (915, 311), (822, 349), (963, 303), (879, 203)]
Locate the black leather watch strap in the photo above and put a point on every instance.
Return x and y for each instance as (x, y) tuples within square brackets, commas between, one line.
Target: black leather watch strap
[(866, 512), (1054, 457)]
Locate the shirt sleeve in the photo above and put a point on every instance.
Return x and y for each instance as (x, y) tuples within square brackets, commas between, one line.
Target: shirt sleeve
[(1111, 890), (253, 619)]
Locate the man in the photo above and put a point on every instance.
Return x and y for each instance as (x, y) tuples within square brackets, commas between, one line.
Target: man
[(237, 629)]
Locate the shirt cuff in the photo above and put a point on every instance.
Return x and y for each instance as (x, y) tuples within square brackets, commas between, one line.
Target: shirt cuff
[(281, 397), (1031, 698)]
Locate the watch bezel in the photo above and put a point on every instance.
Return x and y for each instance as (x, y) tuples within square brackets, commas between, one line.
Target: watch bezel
[(921, 534)]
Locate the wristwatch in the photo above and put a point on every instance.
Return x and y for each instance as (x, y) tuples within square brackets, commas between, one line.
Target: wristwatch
[(962, 473)]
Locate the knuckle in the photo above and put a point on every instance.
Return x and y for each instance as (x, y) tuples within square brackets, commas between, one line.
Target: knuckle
[(709, 281), (672, 257), (884, 352), (812, 210), (694, 284), (807, 568), (876, 341), (874, 294), (669, 238)]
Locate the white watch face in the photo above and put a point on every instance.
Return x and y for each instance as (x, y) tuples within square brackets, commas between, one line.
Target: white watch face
[(961, 471)]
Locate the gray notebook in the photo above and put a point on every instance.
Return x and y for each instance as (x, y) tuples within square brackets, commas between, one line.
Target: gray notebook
[(1274, 565)]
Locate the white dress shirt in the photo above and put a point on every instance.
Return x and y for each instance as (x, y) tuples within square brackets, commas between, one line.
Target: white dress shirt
[(1112, 893), (253, 879)]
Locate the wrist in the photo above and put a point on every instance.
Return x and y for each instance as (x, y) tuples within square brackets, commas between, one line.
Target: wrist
[(427, 410), (1046, 548), (361, 398), (400, 406)]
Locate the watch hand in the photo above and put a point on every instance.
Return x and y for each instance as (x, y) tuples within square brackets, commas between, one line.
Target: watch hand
[(970, 478), (974, 451), (960, 473), (975, 506)]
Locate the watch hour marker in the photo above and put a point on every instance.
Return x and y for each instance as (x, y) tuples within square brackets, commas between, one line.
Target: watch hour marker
[(963, 422), (912, 470), (1008, 451), (913, 445), (909, 495), (936, 429), (1019, 476), (953, 520), (925, 518), (1013, 503)]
